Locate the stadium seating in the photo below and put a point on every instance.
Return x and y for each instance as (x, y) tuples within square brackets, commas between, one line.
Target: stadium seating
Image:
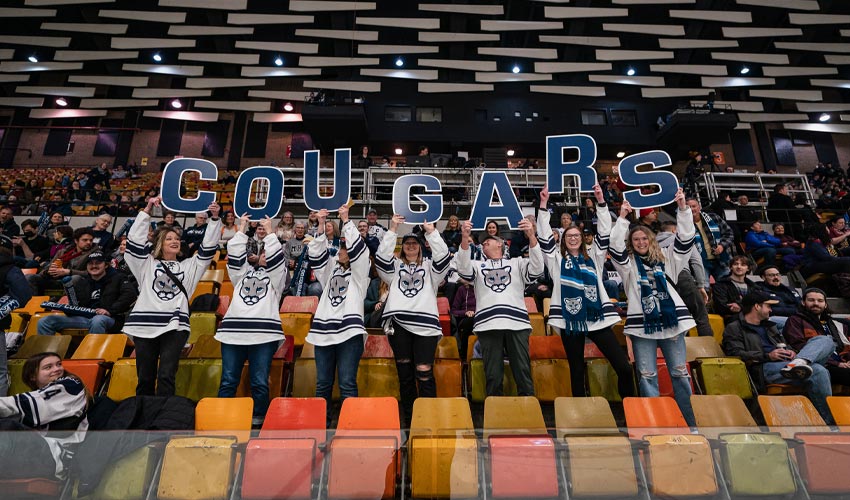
[(713, 372), (106, 346), (296, 314), (550, 370), (444, 310), (197, 467), (448, 369), (538, 323), (224, 416)]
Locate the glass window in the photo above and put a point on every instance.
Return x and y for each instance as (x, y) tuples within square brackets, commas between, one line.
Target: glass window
[(429, 115), (397, 114), (593, 117), (623, 118)]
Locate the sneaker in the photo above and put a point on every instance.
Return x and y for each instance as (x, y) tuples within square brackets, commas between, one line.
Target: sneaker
[(797, 369)]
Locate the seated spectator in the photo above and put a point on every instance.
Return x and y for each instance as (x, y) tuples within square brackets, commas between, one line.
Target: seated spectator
[(102, 235), (168, 219), (786, 239), (714, 240), (56, 220), (813, 320), (193, 236), (649, 218), (755, 339), (31, 250), (838, 234), (762, 245), (788, 298), (372, 243), (228, 229), (57, 402), (451, 234), (746, 213), (373, 305), (109, 292), (820, 256), (8, 226), (518, 244), (285, 226), (729, 291), (63, 237), (463, 311), (72, 260), (254, 245)]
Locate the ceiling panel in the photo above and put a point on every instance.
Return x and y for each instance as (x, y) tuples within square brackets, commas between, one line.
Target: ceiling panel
[(38, 41), (632, 55), (751, 57), (252, 19), (651, 2), (165, 69), (300, 95), (430, 36), (363, 36), (208, 31), (832, 128), (676, 43), (735, 81), (459, 64), (340, 85), (654, 93), (713, 15), (590, 41), (57, 91), (818, 107), (321, 62), (150, 43), (401, 22), (438, 88), (5, 78), (189, 116), (486, 10), (277, 117), (840, 84), (327, 5), (119, 81), (234, 105), (410, 74), (47, 114), (206, 4), (94, 55), (782, 4), (244, 59), (20, 66), (6, 54), (817, 19), (648, 81), (772, 117), (568, 90), (582, 12), (118, 103), (690, 69), (298, 48), (521, 25), (524, 53), (214, 83), (370, 49), (570, 67), (19, 12), (753, 32), (833, 59), (841, 48), (793, 95), (650, 29), (101, 28), (270, 72), (145, 15), (753, 106), (495, 77), (41, 3), (797, 70), (22, 102), (165, 93)]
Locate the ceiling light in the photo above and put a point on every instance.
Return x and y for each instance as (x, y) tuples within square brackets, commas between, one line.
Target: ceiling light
[(511, 152), (824, 117), (630, 72), (399, 62), (745, 70), (278, 61), (176, 104), (398, 151), (497, 118), (288, 107), (61, 101), (516, 69), (621, 154), (32, 59), (157, 57)]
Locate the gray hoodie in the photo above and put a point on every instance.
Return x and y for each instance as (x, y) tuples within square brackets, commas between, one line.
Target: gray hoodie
[(665, 239)]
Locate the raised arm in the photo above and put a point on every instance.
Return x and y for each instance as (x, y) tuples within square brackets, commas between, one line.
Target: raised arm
[(440, 256), (685, 231), (358, 254), (385, 259), (212, 235), (464, 263), (138, 247), (544, 227), (275, 262), (603, 228), (237, 252), (617, 248), (317, 252), (532, 268)]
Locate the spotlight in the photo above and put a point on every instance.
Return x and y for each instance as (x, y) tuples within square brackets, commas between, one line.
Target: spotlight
[(621, 154), (278, 61), (399, 62), (511, 152), (824, 117), (516, 69), (288, 107), (176, 104), (398, 151), (745, 70), (630, 72), (157, 57), (61, 101), (32, 59)]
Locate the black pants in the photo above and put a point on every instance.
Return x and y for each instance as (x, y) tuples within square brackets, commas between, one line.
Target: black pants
[(689, 292), (493, 345), (165, 350), (23, 452), (464, 330), (412, 351), (606, 341)]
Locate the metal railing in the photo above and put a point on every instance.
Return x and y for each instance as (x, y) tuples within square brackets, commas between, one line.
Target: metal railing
[(757, 186)]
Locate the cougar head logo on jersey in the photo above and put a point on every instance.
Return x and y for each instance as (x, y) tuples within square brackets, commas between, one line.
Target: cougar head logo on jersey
[(337, 288), (409, 283), (497, 279), (254, 287), (163, 286)]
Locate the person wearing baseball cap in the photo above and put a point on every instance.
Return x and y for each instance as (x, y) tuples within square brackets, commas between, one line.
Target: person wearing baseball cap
[(375, 230), (756, 340), (109, 293)]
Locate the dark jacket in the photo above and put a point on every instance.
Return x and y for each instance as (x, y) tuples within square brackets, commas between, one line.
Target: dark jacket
[(14, 284), (803, 325), (194, 235), (741, 341), (789, 299), (725, 292), (115, 292), (10, 228)]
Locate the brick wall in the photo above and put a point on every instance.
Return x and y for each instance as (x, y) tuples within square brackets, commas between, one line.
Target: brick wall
[(34, 139)]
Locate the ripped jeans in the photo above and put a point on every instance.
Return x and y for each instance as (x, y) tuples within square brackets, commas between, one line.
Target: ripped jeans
[(676, 358), (414, 360)]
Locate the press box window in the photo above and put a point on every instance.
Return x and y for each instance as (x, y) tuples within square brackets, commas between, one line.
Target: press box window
[(429, 115), (623, 118), (397, 114), (593, 117)]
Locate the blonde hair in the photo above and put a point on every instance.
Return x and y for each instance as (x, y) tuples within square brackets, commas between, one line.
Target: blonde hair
[(159, 240), (654, 254)]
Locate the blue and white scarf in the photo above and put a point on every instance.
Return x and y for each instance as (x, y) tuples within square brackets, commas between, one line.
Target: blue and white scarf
[(659, 310), (580, 302), (714, 229)]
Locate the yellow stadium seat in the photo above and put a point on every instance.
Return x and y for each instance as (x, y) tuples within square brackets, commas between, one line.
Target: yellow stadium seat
[(200, 324), (198, 378), (44, 343), (206, 346), (32, 324), (296, 324), (123, 382), (225, 415), (106, 346), (197, 468)]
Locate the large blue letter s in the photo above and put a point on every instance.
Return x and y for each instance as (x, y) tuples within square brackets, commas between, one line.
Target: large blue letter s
[(173, 175), (666, 181), (582, 168)]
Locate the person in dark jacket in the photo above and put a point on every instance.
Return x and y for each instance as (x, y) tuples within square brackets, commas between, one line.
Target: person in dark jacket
[(31, 249), (14, 292), (813, 320), (194, 235), (729, 291), (758, 343), (714, 239), (820, 256), (463, 311), (109, 292), (789, 299), (8, 226), (761, 244)]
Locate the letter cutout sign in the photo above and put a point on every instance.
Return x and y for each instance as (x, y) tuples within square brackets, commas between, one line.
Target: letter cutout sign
[(582, 168), (274, 198), (666, 181), (433, 202), (172, 175), (341, 185), (483, 209)]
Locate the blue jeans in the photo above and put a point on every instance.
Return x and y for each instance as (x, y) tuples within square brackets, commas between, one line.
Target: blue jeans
[(259, 358), (50, 325), (816, 351), (343, 358), (675, 356)]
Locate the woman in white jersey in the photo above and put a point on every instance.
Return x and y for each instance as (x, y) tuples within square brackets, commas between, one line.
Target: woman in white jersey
[(410, 315), (251, 331), (656, 315), (580, 306), (159, 322), (337, 330)]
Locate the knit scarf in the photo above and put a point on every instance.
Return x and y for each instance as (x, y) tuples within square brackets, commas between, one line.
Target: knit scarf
[(579, 294), (659, 310), (299, 274)]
